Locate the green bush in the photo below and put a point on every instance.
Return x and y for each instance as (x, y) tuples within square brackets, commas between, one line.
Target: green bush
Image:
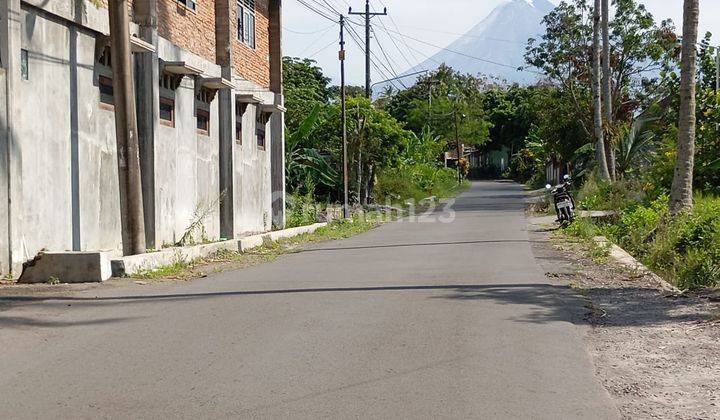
[(415, 182), (301, 210), (636, 225), (599, 195), (684, 249)]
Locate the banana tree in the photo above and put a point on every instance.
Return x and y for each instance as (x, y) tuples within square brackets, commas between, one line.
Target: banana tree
[(306, 166)]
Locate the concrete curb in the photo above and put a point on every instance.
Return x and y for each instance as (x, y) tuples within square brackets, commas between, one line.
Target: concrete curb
[(623, 258), (254, 241), (133, 264)]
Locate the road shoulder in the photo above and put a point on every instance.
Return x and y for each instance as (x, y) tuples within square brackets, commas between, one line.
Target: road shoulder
[(656, 354)]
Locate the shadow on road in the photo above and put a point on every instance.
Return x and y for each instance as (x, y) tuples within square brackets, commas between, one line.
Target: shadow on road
[(542, 303), (499, 241)]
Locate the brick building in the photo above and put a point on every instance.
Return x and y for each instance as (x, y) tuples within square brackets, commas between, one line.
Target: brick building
[(210, 121)]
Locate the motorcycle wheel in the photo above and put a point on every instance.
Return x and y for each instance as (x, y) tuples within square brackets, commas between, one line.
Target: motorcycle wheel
[(565, 215), (571, 216)]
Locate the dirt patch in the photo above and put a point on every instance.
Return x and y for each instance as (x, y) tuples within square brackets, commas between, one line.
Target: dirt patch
[(658, 355)]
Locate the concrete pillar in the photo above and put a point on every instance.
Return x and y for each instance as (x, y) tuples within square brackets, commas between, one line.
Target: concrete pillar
[(147, 76), (10, 174), (224, 35), (277, 122), (4, 209)]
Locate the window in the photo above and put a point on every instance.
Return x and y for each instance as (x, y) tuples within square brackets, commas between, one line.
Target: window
[(24, 66), (260, 130), (105, 81), (240, 108), (203, 121), (168, 83), (167, 111), (107, 94), (246, 22), (189, 4)]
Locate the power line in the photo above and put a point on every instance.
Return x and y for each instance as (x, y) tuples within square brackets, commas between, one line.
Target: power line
[(382, 50), (316, 11), (466, 55), (323, 48), (308, 33), (312, 44)]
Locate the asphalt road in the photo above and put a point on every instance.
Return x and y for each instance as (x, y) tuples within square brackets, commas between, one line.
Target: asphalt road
[(445, 317)]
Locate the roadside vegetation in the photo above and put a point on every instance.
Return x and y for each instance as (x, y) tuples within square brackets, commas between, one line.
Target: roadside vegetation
[(269, 251)]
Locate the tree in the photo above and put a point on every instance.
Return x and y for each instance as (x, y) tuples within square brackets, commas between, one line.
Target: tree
[(639, 50), (681, 192), (607, 88), (435, 98), (304, 87), (597, 101)]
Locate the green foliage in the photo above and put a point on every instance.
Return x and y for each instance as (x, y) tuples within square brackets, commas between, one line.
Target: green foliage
[(301, 210), (600, 195), (304, 87), (305, 166), (684, 249), (434, 102)]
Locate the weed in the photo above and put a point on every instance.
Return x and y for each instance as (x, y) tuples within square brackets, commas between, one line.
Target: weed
[(53, 280)]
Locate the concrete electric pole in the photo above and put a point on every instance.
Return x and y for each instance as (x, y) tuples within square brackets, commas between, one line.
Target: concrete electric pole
[(126, 129), (368, 15), (341, 55)]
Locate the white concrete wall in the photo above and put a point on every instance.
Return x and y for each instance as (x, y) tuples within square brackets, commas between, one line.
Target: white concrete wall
[(186, 163), (63, 131), (252, 179)]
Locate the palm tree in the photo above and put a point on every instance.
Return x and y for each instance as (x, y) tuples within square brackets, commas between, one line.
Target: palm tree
[(607, 86), (681, 193), (597, 100)]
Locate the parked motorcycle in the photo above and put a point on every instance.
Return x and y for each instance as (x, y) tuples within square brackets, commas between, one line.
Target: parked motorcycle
[(563, 200)]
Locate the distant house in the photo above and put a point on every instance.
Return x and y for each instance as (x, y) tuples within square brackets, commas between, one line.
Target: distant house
[(210, 118)]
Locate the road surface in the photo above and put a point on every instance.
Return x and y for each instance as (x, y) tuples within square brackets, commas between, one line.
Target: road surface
[(448, 317)]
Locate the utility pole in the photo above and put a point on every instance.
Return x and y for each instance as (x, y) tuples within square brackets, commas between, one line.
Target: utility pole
[(346, 210), (717, 71), (457, 143), (128, 149), (368, 15)]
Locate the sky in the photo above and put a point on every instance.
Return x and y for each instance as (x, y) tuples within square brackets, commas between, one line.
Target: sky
[(308, 35)]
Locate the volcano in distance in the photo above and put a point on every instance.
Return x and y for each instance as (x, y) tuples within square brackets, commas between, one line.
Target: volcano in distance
[(495, 46)]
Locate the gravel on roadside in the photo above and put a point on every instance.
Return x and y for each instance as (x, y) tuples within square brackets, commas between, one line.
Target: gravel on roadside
[(658, 355)]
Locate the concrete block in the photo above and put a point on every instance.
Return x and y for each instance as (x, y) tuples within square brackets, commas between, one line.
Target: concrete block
[(67, 267)]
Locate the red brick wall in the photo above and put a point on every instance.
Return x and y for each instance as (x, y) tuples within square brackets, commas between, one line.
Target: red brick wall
[(193, 31), (252, 64)]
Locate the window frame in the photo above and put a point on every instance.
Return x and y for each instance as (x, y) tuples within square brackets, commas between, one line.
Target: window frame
[(190, 5), (169, 83), (240, 109), (24, 64), (260, 129), (202, 111), (246, 22), (167, 101), (106, 89)]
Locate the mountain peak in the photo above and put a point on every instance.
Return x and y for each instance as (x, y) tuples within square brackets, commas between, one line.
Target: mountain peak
[(496, 45)]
